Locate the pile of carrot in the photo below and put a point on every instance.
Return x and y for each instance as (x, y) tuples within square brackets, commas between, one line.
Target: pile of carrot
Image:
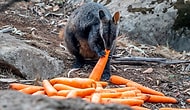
[(93, 90), (133, 94)]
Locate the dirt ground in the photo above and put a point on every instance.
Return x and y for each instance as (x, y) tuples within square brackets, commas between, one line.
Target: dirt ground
[(40, 28)]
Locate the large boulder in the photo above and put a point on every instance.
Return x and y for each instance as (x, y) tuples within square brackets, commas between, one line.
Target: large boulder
[(13, 100), (155, 22), (27, 61)]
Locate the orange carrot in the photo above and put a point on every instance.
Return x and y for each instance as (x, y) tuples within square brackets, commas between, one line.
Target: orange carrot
[(18, 86), (39, 93), (128, 94), (96, 98), (98, 87), (80, 92), (85, 92), (124, 89), (144, 89), (105, 90), (72, 94), (99, 67), (59, 87), (31, 89), (63, 92), (188, 100), (74, 82), (119, 80), (57, 97), (103, 83), (161, 99), (87, 99), (139, 108), (129, 101), (49, 89), (141, 96), (113, 90), (169, 108), (111, 95)]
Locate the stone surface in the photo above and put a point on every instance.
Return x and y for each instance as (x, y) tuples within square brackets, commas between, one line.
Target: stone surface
[(13, 100), (155, 22), (26, 60)]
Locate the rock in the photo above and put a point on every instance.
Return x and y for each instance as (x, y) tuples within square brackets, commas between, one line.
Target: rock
[(27, 61), (13, 100), (154, 22)]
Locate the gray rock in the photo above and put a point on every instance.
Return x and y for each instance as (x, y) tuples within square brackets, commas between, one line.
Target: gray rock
[(12, 100), (26, 60), (155, 22)]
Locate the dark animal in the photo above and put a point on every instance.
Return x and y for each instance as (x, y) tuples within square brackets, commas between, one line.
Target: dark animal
[(89, 31)]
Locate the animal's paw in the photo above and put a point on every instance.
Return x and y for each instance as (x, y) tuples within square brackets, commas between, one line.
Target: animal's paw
[(105, 76)]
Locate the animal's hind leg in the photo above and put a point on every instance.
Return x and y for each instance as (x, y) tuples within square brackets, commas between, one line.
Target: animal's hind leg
[(73, 47)]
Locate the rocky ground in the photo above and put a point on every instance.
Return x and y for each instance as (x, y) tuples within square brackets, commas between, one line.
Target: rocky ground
[(40, 27)]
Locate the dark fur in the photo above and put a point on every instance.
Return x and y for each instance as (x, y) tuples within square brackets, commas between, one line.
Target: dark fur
[(89, 31)]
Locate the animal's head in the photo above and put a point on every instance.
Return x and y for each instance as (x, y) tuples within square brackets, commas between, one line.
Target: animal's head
[(108, 28)]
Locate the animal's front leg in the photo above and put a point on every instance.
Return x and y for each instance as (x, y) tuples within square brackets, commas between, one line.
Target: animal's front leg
[(106, 74), (95, 41)]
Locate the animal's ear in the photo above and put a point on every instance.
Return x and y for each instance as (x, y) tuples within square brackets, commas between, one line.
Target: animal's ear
[(116, 17), (102, 15)]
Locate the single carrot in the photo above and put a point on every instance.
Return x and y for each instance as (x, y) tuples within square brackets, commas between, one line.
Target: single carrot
[(85, 92), (63, 92), (57, 97), (42, 92), (170, 108), (141, 96), (103, 83), (49, 89), (128, 101), (105, 90), (161, 99), (18, 86), (72, 94), (99, 87), (87, 99), (128, 94), (111, 95), (96, 98), (113, 90), (99, 67), (81, 92), (74, 82), (124, 89), (31, 89), (139, 108), (119, 80), (188, 100), (137, 91), (59, 87), (144, 89)]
